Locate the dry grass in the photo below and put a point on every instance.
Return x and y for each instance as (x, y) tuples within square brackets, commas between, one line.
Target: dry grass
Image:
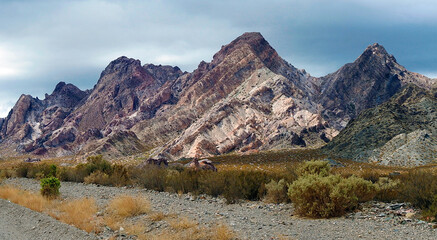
[(182, 223), (27, 199), (136, 229), (222, 232), (80, 213), (112, 221), (157, 216), (128, 206)]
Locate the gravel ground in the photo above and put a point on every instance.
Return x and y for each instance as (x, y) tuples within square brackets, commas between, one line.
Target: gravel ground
[(250, 220), (20, 223)]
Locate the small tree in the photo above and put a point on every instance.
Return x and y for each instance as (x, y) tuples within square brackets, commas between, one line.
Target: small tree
[(50, 187)]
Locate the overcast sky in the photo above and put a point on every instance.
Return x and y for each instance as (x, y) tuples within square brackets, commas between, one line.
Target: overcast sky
[(44, 42)]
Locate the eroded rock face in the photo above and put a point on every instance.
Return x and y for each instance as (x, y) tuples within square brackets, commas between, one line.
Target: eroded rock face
[(413, 149), (247, 98)]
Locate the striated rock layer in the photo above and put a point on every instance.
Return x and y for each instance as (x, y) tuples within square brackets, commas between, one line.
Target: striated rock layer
[(246, 99)]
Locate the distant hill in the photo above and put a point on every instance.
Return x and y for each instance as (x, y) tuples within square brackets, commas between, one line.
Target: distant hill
[(401, 131)]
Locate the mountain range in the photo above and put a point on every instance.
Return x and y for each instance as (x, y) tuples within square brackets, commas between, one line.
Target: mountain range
[(246, 99)]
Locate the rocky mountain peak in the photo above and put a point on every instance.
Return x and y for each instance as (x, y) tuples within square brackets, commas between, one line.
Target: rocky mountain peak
[(250, 43), (66, 95), (59, 87), (121, 64), (376, 52), (163, 73)]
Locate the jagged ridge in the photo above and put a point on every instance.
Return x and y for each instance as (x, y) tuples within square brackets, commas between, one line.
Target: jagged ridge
[(246, 98)]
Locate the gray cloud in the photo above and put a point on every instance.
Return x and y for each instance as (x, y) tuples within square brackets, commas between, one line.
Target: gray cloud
[(44, 42)]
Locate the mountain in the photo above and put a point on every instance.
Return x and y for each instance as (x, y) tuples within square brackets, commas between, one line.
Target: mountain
[(401, 131), (246, 99), (370, 80), (32, 119)]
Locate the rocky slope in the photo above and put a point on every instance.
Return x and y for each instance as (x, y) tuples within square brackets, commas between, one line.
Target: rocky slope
[(401, 131), (247, 98)]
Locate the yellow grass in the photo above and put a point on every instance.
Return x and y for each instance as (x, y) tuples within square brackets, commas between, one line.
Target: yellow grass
[(27, 199), (222, 232), (80, 213), (182, 223), (128, 206), (112, 221), (136, 229), (157, 216)]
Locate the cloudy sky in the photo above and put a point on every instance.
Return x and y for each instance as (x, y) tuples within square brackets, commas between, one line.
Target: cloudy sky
[(44, 42)]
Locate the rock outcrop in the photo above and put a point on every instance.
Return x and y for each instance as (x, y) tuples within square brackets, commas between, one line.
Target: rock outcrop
[(413, 149)]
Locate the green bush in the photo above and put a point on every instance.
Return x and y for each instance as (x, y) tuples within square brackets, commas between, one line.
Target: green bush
[(318, 167), (97, 163), (50, 187), (387, 189), (5, 173), (244, 185), (431, 211), (150, 177), (98, 177), (212, 183), (316, 195), (22, 169), (52, 171), (276, 191), (419, 188)]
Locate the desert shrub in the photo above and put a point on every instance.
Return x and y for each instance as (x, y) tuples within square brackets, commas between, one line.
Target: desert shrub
[(73, 174), (150, 177), (212, 183), (50, 187), (182, 181), (430, 212), (119, 176), (40, 171), (243, 185), (276, 191), (348, 192), (316, 195), (419, 188), (314, 167), (22, 169), (387, 189), (190, 181), (52, 171), (97, 163), (98, 178), (35, 170), (5, 173), (370, 175)]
